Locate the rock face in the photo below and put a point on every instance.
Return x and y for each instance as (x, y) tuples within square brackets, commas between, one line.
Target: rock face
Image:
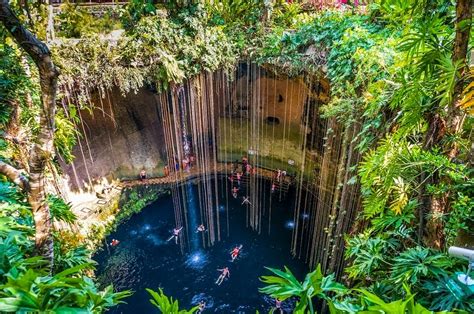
[(122, 136)]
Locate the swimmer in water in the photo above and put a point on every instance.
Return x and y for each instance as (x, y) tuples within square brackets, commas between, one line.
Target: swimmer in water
[(278, 307), (234, 191), (224, 273), (201, 228), (246, 200), (175, 235), (114, 242), (201, 307), (235, 252)]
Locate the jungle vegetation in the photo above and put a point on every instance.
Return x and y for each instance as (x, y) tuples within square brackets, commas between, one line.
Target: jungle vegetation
[(401, 72)]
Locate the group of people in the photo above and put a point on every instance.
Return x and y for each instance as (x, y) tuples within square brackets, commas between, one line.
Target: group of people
[(279, 174), (225, 272), (186, 164), (245, 169), (177, 231), (277, 177), (235, 177)]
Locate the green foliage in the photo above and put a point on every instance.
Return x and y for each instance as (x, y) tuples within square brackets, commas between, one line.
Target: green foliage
[(25, 282), (390, 179), (135, 201), (60, 211), (460, 219), (75, 21), (158, 50), (416, 263), (286, 14), (66, 291), (13, 80), (389, 71), (374, 304), (442, 297), (68, 258), (167, 304), (315, 285), (134, 10), (244, 13), (369, 256), (17, 86), (284, 286), (65, 134), (385, 264), (389, 175)]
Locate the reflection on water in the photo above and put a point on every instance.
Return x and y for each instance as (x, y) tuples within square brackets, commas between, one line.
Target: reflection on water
[(290, 225), (144, 259), (197, 260)]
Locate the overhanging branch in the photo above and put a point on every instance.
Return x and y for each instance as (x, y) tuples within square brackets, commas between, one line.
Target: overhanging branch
[(14, 175)]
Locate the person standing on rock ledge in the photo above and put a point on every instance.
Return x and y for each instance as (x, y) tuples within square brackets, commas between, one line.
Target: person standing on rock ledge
[(143, 175)]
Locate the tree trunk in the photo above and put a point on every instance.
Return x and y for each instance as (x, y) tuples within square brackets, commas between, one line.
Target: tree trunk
[(440, 128), (455, 116), (43, 148)]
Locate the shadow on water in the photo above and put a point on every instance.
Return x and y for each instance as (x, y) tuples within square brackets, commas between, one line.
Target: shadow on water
[(144, 259)]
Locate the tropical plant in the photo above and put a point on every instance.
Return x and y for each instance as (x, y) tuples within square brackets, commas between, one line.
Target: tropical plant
[(134, 10), (68, 258), (166, 304), (60, 210), (229, 12), (315, 285), (368, 256), (418, 263), (26, 284), (64, 292), (444, 296), (375, 304), (66, 134)]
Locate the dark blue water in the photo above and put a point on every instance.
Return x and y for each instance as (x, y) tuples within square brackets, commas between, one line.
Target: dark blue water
[(144, 259)]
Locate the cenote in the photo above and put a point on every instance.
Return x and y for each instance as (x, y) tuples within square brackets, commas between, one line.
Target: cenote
[(331, 140), (188, 271)]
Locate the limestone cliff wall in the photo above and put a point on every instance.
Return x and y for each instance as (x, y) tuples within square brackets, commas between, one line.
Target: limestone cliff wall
[(120, 137)]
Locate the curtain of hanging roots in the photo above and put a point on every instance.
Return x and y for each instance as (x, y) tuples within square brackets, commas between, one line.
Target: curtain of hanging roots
[(220, 117)]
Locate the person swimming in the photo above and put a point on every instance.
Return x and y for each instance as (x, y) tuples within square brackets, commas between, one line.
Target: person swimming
[(175, 235), (246, 200), (235, 190), (278, 306), (201, 307), (224, 273), (201, 228), (114, 242), (235, 252)]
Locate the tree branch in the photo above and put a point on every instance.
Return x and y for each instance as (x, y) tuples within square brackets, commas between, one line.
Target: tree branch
[(34, 47), (14, 175)]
